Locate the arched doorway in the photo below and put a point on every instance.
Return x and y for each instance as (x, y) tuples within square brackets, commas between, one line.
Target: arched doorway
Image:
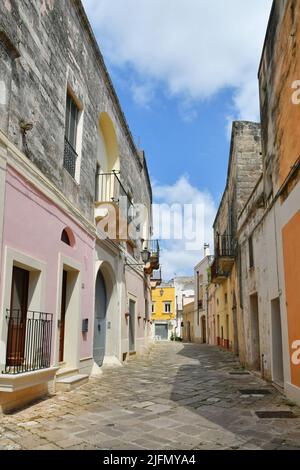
[(100, 319)]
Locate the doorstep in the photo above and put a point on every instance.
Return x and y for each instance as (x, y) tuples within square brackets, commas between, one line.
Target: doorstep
[(66, 384), (10, 383)]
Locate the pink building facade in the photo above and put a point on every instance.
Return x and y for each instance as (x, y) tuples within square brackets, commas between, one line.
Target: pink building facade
[(71, 301), (36, 255)]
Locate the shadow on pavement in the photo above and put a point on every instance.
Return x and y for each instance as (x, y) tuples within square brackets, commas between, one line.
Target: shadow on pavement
[(204, 385)]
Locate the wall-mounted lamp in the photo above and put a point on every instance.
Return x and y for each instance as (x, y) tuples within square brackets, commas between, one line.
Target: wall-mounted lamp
[(145, 255)]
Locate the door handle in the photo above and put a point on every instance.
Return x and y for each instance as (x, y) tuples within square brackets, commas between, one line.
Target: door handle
[(99, 327)]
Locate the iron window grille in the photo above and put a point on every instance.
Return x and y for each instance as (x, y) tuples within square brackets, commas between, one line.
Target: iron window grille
[(71, 127), (70, 157)]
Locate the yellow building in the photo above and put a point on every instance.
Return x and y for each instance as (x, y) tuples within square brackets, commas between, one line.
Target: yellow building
[(163, 311)]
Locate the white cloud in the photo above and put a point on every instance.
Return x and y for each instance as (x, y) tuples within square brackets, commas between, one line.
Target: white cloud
[(195, 48), (142, 93), (176, 257)]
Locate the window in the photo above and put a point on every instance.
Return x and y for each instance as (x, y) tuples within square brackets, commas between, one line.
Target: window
[(167, 307), (72, 118), (65, 238), (251, 252), (153, 307)]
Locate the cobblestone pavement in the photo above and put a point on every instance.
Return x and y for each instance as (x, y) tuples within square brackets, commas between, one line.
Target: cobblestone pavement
[(177, 397)]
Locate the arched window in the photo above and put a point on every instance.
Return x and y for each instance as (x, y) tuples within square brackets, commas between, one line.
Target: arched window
[(67, 237)]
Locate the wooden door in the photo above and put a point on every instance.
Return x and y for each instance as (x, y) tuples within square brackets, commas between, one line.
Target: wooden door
[(17, 317), (63, 316), (204, 330), (100, 320)]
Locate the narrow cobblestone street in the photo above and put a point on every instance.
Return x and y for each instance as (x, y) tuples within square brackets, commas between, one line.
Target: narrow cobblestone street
[(179, 397)]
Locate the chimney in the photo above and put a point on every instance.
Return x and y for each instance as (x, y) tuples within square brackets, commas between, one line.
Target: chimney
[(206, 250)]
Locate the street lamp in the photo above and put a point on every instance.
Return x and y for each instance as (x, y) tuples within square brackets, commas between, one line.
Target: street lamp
[(145, 255)]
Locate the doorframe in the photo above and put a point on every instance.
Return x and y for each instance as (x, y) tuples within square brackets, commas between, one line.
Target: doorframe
[(132, 298), (72, 323), (106, 313), (278, 313), (109, 270), (22, 320), (36, 292), (256, 362)]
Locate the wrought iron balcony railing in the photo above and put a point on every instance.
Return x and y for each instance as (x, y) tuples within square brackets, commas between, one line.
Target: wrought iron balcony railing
[(154, 248), (109, 189), (70, 157), (156, 276), (29, 341), (217, 273), (225, 246)]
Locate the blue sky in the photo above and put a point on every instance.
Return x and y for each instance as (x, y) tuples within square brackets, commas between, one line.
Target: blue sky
[(183, 70), (176, 144)]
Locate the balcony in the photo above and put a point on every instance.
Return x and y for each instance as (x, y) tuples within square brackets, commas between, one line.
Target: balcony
[(217, 275), (225, 252), (156, 278), (29, 341), (113, 203), (153, 247)]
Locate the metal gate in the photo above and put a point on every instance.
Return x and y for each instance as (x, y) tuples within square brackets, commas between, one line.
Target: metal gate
[(161, 331)]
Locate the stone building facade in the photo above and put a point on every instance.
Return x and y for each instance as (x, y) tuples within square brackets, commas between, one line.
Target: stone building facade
[(203, 316), (279, 76), (67, 159), (263, 270), (188, 317), (243, 170), (260, 334)]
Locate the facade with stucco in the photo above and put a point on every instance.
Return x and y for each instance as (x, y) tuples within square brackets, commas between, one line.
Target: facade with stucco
[(67, 161), (203, 317), (244, 167), (279, 74)]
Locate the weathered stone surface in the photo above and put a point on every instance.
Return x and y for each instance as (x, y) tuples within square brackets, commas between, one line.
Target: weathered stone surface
[(103, 414), (57, 49)]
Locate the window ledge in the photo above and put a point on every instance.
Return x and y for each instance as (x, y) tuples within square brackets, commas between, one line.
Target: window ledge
[(10, 383), (76, 183)]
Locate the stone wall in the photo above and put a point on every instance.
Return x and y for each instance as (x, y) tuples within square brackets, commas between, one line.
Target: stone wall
[(279, 70), (244, 168), (46, 46)]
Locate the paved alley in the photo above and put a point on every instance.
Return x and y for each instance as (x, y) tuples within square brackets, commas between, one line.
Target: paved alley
[(180, 396)]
